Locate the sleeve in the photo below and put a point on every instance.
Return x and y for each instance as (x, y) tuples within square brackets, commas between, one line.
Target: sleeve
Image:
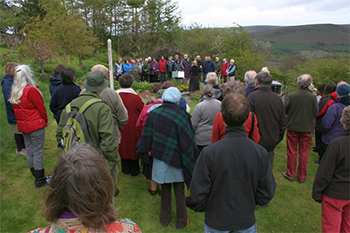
[(147, 136), (282, 124), (60, 126), (108, 144), (121, 113), (328, 119), (215, 135), (37, 100), (256, 134), (251, 102), (201, 182), (266, 184), (324, 173), (6, 90), (195, 118), (54, 104), (140, 123)]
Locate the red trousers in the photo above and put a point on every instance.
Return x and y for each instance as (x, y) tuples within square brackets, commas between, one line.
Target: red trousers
[(335, 215), (304, 141)]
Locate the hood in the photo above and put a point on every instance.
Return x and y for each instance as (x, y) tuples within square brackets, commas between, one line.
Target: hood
[(7, 78), (56, 80), (344, 100)]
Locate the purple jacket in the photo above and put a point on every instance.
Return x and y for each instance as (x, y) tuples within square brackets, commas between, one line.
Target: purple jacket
[(331, 127), (156, 67)]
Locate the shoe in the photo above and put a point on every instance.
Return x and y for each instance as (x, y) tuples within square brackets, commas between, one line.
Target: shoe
[(301, 181), (180, 226), (256, 207), (264, 206), (21, 152), (116, 192), (289, 178), (152, 192), (317, 161), (40, 178)]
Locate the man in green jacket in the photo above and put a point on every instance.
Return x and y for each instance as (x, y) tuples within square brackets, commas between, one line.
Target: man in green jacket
[(99, 120)]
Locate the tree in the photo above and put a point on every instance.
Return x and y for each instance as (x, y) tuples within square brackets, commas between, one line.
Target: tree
[(39, 49)]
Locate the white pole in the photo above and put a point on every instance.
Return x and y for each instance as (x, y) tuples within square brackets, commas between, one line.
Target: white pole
[(110, 63)]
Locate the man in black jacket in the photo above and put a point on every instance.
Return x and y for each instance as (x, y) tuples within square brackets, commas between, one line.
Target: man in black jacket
[(232, 175), (268, 107)]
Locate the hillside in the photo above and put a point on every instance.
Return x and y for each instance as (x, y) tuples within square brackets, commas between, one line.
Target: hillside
[(329, 34)]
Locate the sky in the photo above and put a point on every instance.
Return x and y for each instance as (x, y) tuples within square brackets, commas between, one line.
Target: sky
[(224, 13)]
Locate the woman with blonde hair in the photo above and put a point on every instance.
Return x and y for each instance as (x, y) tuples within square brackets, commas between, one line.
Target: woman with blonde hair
[(6, 84), (80, 196), (30, 112)]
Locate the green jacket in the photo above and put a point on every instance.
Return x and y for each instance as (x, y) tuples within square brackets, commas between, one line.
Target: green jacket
[(217, 66), (100, 124), (301, 109), (146, 68)]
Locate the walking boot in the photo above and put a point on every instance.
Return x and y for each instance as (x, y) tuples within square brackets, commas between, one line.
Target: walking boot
[(32, 170), (40, 179)]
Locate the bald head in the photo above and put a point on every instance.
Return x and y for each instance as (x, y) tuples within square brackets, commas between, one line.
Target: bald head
[(101, 68), (341, 83), (304, 80)]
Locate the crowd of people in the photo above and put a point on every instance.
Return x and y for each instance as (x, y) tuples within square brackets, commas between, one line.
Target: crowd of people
[(223, 153)]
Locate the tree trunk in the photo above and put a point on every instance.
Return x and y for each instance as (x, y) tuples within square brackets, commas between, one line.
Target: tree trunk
[(42, 67), (80, 60)]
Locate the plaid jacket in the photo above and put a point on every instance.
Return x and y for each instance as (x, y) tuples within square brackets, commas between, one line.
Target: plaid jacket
[(169, 137)]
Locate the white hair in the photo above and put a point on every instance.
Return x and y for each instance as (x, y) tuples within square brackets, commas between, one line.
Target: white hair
[(265, 69), (249, 77), (232, 61), (146, 59), (23, 77)]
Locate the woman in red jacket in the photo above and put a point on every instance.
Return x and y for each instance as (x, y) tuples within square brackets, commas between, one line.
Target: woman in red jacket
[(31, 118), (250, 125)]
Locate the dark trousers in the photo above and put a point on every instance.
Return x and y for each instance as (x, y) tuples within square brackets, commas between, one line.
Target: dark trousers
[(165, 209), (20, 142), (130, 166), (162, 77), (170, 75), (321, 147), (147, 78)]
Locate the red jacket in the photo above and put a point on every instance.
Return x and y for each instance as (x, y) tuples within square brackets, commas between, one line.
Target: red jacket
[(224, 68), (219, 128), (30, 112), (328, 104), (162, 64)]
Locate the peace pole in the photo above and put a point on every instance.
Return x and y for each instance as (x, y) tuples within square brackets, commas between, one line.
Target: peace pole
[(110, 63)]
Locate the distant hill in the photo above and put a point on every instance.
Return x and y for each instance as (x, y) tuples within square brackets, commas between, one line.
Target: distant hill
[(329, 34), (260, 28)]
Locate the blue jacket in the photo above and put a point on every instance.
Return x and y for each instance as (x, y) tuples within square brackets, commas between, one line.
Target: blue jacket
[(6, 84), (63, 95), (208, 67), (127, 67), (331, 126)]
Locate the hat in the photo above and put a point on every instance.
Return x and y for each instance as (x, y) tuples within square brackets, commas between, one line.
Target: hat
[(172, 95), (95, 81), (101, 68), (343, 90)]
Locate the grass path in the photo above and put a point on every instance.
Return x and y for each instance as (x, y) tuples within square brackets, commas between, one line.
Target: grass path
[(291, 210)]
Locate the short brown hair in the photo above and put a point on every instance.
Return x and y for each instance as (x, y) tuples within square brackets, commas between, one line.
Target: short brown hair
[(10, 69), (234, 87), (235, 109), (126, 80), (82, 184), (59, 69)]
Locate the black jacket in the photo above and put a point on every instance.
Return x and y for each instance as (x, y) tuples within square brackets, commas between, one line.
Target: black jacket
[(272, 120), (333, 174), (230, 177), (55, 82)]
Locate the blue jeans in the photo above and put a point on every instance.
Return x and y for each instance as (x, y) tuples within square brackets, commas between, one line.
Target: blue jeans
[(204, 77), (251, 229)]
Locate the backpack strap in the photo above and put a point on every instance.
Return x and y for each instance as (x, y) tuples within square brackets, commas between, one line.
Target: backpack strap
[(88, 103), (252, 126)]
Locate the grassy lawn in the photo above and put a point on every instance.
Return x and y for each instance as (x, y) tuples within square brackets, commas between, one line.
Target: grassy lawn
[(291, 210)]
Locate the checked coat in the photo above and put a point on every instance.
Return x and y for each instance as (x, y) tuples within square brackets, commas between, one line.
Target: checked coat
[(168, 135)]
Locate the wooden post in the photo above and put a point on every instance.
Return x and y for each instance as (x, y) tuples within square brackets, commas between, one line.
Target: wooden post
[(110, 63)]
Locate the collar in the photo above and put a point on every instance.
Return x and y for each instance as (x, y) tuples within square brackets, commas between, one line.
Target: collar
[(235, 131), (126, 90)]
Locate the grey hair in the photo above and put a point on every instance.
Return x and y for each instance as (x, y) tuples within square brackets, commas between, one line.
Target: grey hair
[(345, 118), (304, 80), (249, 77), (23, 77), (208, 90), (212, 79)]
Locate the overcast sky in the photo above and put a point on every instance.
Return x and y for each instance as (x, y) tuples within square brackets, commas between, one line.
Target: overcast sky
[(222, 13)]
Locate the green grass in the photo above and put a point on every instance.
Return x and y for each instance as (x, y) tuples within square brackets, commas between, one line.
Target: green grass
[(292, 46), (22, 205)]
